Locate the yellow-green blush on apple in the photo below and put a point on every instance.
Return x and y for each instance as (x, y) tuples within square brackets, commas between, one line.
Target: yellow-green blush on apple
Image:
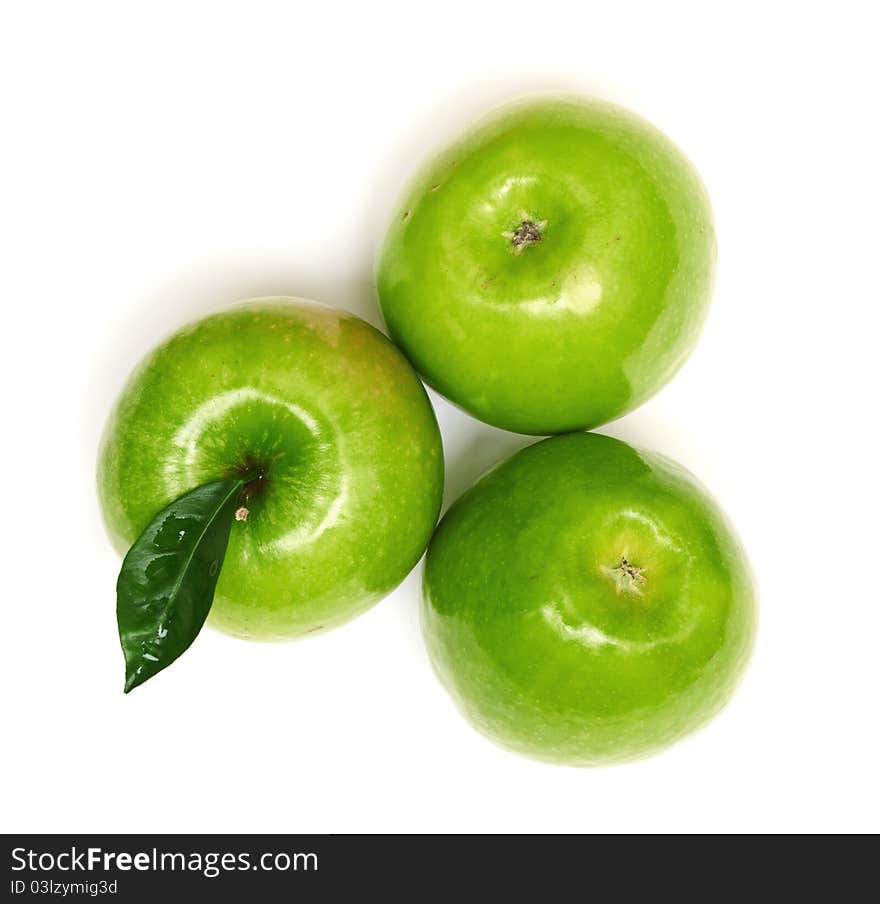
[(334, 421)]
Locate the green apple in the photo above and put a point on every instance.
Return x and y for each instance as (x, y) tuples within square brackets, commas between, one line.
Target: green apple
[(551, 269), (587, 603), (333, 418)]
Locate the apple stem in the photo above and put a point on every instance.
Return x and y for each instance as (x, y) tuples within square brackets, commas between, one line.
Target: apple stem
[(250, 482)]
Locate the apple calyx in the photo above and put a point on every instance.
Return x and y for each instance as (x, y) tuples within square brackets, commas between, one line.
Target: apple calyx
[(527, 233), (627, 577)]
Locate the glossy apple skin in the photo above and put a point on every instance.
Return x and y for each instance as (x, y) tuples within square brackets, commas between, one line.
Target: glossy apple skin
[(579, 327), (344, 429), (536, 636)]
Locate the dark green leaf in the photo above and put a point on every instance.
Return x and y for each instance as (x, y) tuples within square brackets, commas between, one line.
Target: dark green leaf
[(166, 585)]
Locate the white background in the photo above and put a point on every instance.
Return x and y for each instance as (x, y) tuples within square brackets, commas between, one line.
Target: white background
[(160, 160)]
